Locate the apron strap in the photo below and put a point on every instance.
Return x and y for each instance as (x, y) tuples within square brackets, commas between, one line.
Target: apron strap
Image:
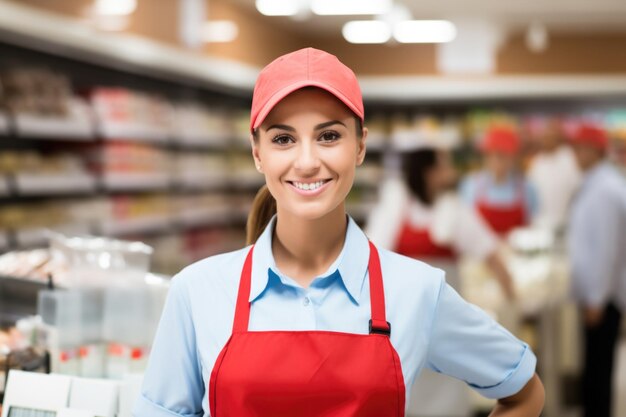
[(377, 324), (242, 308)]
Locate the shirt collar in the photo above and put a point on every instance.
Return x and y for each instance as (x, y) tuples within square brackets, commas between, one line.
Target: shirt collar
[(351, 264)]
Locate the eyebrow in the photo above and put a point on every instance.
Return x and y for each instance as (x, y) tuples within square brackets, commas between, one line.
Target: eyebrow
[(317, 127)]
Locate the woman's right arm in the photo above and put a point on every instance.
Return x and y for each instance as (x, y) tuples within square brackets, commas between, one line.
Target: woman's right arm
[(173, 384)]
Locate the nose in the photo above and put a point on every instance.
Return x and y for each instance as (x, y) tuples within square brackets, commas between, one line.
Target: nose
[(307, 158)]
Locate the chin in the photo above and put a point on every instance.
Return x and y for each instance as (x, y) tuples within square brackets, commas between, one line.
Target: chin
[(312, 211)]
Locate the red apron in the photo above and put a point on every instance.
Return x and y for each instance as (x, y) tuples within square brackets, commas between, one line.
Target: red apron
[(417, 243), (502, 217), (308, 373)]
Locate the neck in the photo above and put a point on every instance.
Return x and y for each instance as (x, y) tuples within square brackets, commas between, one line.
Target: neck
[(592, 165), (303, 249), (500, 178)]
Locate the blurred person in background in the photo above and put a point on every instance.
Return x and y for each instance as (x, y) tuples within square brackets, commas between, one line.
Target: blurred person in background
[(420, 216), (597, 238), (554, 174), (499, 192)]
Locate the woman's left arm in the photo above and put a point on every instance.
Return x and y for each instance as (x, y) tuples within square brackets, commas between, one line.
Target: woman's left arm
[(526, 403)]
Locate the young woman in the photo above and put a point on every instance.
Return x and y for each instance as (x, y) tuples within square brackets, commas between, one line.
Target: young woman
[(499, 192), (312, 319), (419, 216)]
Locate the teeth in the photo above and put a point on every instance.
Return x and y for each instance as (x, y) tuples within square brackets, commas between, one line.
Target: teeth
[(308, 186)]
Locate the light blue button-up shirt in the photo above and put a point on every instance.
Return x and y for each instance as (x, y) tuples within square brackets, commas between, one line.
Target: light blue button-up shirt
[(597, 238), (505, 193), (432, 326)]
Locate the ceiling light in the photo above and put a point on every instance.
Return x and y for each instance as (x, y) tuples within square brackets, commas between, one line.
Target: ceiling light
[(366, 31), (351, 7), (537, 37), (278, 7), (115, 7), (424, 31), (219, 31)]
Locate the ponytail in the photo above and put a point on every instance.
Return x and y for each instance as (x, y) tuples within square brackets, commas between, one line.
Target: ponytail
[(263, 208)]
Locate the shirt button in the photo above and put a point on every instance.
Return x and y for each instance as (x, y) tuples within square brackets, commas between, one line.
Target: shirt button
[(306, 301)]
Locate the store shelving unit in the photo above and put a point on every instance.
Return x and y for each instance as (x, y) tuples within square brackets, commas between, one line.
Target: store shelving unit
[(27, 184), (90, 57)]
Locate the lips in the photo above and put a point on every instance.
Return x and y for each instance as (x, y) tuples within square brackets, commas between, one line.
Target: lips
[(309, 188)]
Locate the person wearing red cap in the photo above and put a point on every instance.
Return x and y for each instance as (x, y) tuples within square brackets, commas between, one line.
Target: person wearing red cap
[(419, 215), (312, 318), (597, 238), (500, 194)]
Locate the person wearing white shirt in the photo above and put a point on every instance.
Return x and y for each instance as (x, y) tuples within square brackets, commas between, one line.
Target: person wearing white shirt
[(555, 176), (597, 238), (418, 216)]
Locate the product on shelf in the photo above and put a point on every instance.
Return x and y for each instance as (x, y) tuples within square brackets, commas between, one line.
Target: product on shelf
[(129, 166), (36, 264), (126, 114), (241, 126), (43, 105), (35, 91), (423, 130), (35, 173), (378, 127), (201, 171), (243, 172), (195, 124)]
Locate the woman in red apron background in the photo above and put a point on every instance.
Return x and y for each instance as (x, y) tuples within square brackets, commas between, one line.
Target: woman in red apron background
[(419, 216), (500, 193), (312, 319)]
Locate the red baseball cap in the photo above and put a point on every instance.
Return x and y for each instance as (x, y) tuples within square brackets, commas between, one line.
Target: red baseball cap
[(501, 139), (307, 67), (591, 135)]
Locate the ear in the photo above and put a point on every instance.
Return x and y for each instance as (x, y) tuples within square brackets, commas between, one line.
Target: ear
[(361, 148), (255, 154)]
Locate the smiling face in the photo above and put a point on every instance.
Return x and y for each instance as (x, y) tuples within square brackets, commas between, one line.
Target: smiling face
[(308, 147)]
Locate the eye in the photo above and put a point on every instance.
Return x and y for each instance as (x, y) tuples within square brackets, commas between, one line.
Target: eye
[(330, 136), (282, 139)]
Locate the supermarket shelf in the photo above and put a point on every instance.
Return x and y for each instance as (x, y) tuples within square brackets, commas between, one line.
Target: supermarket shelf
[(135, 181), (4, 186), (31, 237), (69, 37), (31, 126), (140, 225), (204, 216), (376, 146), (18, 298), (205, 140), (4, 123), (133, 131), (50, 184), (36, 29), (38, 237), (442, 88), (248, 179), (201, 181), (4, 241)]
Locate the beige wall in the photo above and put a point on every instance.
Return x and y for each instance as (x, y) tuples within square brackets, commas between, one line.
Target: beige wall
[(261, 40)]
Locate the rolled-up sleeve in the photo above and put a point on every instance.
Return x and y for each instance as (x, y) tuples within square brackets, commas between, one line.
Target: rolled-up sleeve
[(469, 345), (173, 384)]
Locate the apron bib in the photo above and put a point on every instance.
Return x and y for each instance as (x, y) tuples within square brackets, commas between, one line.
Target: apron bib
[(308, 373)]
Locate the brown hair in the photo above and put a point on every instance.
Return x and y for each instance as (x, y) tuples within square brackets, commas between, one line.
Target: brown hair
[(263, 208)]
